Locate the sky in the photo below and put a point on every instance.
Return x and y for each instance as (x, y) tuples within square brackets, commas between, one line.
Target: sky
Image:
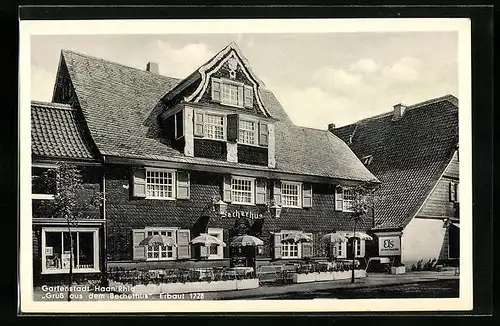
[(319, 79)]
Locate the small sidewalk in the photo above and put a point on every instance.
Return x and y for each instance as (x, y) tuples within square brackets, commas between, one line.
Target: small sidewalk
[(372, 280)]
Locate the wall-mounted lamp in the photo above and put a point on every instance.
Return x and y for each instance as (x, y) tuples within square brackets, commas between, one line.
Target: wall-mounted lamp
[(275, 210), (220, 207)]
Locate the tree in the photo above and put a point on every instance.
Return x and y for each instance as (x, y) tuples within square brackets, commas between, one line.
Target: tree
[(364, 201), (69, 202)]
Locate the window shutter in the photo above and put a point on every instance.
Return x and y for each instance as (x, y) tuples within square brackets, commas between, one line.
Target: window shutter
[(263, 134), (452, 191), (183, 246), (363, 242), (339, 198), (277, 245), (232, 127), (277, 192), (248, 96), (198, 124), (307, 195), (307, 247), (241, 96), (215, 90), (183, 185), (226, 189), (260, 191), (457, 194), (139, 252), (139, 183)]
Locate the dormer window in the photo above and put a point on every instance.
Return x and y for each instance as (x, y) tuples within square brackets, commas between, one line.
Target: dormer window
[(214, 126), (233, 93)]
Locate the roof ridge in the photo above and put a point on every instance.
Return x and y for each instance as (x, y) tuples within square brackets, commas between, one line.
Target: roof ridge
[(448, 97), (51, 105), (117, 63)]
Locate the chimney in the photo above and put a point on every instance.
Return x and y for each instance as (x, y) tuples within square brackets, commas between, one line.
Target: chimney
[(331, 127), (399, 110), (152, 67)]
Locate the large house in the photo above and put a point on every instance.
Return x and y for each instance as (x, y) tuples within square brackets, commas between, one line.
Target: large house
[(213, 153), (413, 151)]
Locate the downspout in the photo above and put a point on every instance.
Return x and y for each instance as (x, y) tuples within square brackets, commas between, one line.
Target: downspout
[(105, 232)]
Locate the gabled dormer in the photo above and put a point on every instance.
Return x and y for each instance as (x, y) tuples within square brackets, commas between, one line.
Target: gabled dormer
[(217, 113)]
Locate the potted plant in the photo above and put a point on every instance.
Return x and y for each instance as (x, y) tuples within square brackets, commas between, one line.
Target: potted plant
[(398, 268)]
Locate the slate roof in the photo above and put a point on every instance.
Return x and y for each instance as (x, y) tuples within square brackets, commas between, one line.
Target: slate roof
[(120, 105), (408, 155), (56, 132)]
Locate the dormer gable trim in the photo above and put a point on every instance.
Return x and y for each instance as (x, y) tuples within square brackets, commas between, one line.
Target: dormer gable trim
[(207, 70)]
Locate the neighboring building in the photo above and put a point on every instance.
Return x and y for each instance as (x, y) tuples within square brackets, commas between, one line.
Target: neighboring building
[(165, 152), (413, 151)]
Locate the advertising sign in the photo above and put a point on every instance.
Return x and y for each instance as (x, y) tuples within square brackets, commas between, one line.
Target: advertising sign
[(389, 245)]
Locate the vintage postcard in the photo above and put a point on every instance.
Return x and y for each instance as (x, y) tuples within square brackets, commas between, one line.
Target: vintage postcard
[(245, 166)]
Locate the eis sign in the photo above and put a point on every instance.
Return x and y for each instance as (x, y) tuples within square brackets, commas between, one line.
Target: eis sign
[(389, 245)]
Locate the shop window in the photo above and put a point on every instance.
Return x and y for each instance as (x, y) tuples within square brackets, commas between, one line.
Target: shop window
[(161, 252), (291, 194), (242, 190), (289, 250), (247, 132), (43, 183), (214, 126), (160, 184), (348, 196), (57, 254)]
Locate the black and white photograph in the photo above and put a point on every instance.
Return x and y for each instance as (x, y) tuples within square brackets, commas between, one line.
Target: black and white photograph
[(169, 166)]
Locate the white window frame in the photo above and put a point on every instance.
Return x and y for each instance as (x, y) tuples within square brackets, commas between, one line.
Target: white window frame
[(342, 253), (357, 246), (219, 234), (226, 82), (206, 124), (174, 184), (299, 193), (48, 167), (284, 233), (162, 229), (252, 191), (346, 201), (255, 131), (93, 230)]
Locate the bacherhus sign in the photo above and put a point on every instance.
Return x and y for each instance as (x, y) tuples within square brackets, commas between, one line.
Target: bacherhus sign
[(243, 214)]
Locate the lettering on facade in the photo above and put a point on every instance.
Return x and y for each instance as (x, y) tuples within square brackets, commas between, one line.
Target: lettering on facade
[(243, 214), (389, 245)]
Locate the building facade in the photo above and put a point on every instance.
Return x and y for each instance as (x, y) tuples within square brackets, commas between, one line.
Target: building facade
[(413, 151), (214, 153)]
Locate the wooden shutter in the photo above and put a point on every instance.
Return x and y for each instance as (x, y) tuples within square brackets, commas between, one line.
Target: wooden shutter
[(260, 191), (307, 195), (139, 183), (277, 192), (241, 95), (452, 191), (277, 245), (263, 134), (232, 127), (339, 203), (183, 185), (199, 129), (457, 194), (183, 246), (307, 247), (139, 252), (362, 244), (248, 96), (216, 90), (226, 189)]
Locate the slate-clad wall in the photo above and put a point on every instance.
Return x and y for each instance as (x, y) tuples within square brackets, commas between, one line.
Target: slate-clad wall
[(252, 155), (125, 213), (210, 149)]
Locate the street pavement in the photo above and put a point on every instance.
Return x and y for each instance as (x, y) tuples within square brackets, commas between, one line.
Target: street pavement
[(372, 280)]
